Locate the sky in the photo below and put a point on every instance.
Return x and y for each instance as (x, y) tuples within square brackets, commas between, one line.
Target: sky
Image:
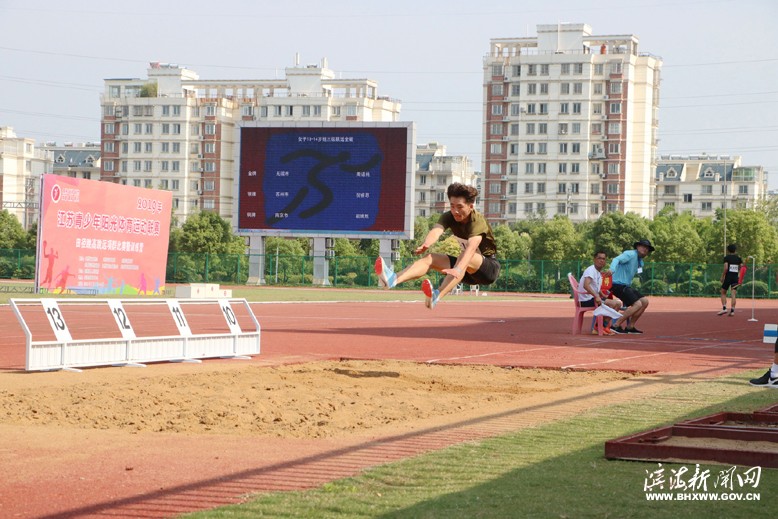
[(719, 79)]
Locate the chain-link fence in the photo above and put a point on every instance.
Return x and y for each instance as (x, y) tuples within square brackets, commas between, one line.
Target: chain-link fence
[(534, 276)]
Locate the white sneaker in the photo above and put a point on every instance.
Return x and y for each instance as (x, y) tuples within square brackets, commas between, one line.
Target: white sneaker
[(430, 294), (722, 312), (386, 276)]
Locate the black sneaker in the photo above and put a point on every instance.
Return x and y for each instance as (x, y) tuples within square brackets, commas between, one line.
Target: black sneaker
[(765, 380), (618, 329), (633, 330)]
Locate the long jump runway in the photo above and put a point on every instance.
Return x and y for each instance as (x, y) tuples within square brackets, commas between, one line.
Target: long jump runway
[(684, 341)]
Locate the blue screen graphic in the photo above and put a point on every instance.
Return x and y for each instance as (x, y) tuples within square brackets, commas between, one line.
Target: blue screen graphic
[(322, 181)]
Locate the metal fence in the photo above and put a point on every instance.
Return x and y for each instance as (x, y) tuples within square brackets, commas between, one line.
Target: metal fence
[(534, 276)]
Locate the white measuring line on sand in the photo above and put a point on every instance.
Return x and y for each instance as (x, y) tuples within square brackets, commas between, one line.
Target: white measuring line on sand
[(644, 356), (492, 353)]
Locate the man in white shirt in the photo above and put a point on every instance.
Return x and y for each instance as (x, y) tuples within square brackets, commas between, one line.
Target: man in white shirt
[(590, 287)]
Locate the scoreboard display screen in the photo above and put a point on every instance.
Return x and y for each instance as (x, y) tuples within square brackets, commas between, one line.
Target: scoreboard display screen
[(334, 180)]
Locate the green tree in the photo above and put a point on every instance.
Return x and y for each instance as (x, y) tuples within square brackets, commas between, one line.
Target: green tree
[(208, 232), (676, 239), (556, 240), (616, 232), (753, 234), (345, 247), (12, 235), (511, 244)]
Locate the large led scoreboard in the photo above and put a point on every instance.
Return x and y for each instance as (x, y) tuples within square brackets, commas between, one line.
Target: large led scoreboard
[(326, 179)]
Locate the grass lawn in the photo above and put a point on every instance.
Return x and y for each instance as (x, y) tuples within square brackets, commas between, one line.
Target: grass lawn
[(556, 470)]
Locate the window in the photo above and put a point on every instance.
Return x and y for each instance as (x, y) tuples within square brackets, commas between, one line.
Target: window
[(615, 67), (544, 69), (422, 180), (542, 128), (541, 168), (530, 148), (532, 70), (147, 147), (209, 203), (164, 165), (124, 166), (561, 208), (176, 166), (599, 68), (613, 188), (576, 147), (669, 190), (176, 110), (495, 129), (351, 110), (174, 185), (494, 207), (742, 190), (495, 188), (514, 148), (542, 148), (513, 168), (565, 69), (147, 165), (136, 165), (148, 128), (687, 197), (497, 70), (578, 88), (165, 128), (208, 185), (496, 109), (108, 146), (512, 207), (671, 205), (496, 89), (574, 188), (529, 168), (541, 187), (530, 108), (527, 207), (163, 184), (564, 108), (541, 207), (615, 88), (136, 147), (597, 108), (615, 108), (209, 166), (210, 129), (515, 90), (613, 168), (614, 148), (125, 147), (176, 147), (530, 128), (576, 108), (564, 88), (109, 165), (515, 109), (147, 183), (543, 108), (137, 128), (596, 128), (595, 189), (614, 128), (516, 70), (306, 111), (706, 206), (575, 167), (165, 147), (528, 188), (109, 129), (210, 110), (597, 89), (594, 208), (514, 128), (563, 147), (562, 128), (495, 148), (136, 182), (563, 168), (532, 88), (544, 88), (707, 190), (561, 188)]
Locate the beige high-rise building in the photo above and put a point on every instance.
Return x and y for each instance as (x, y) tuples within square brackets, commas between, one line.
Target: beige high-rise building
[(175, 131), (570, 124), (21, 165), (435, 170)]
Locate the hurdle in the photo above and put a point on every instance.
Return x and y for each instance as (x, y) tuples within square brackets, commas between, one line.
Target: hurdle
[(125, 332)]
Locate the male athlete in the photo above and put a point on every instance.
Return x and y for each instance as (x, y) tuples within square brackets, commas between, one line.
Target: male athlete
[(475, 265)]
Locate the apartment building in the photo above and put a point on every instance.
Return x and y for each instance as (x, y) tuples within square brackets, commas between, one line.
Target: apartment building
[(80, 160), (700, 184), (21, 165), (173, 130), (435, 171), (570, 124)]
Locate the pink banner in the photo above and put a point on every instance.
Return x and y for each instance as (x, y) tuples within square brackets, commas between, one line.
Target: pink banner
[(100, 237)]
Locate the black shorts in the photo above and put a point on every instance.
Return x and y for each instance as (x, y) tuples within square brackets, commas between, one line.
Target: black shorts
[(628, 295), (486, 275), (730, 283), (587, 304)]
